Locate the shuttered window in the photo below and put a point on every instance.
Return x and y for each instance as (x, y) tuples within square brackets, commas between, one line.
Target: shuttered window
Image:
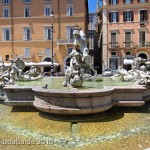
[(142, 38), (27, 53), (127, 39), (69, 10), (113, 17), (27, 34), (47, 52), (113, 2), (113, 40), (69, 32), (128, 16), (143, 15), (48, 33)]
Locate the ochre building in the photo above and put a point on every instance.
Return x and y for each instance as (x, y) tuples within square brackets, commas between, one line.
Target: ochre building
[(26, 29)]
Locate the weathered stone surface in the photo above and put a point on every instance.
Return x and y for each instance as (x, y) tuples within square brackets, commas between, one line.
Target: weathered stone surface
[(76, 102), (19, 96)]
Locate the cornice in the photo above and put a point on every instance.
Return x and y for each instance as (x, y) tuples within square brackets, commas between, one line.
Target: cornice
[(127, 6)]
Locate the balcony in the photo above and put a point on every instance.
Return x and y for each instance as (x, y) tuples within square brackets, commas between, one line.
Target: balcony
[(144, 44), (143, 24), (113, 45), (63, 42), (25, 58), (128, 44)]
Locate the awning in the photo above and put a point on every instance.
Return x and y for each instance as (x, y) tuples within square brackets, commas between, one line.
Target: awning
[(147, 63), (128, 61), (29, 64)]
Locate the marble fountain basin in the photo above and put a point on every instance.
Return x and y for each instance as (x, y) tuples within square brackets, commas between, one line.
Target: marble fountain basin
[(73, 102), (76, 101)]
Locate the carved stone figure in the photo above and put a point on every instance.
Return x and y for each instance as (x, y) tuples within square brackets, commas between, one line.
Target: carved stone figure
[(80, 38), (15, 73), (80, 64), (138, 73), (74, 73), (137, 62)]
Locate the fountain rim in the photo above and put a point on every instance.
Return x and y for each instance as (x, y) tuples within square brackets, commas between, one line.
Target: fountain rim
[(73, 91)]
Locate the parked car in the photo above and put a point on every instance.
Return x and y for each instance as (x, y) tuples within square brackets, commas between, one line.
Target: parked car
[(107, 72)]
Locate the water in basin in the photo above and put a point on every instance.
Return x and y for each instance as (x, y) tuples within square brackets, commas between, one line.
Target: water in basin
[(119, 129), (56, 83)]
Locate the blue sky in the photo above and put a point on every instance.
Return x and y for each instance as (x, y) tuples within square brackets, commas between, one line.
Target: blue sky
[(92, 5)]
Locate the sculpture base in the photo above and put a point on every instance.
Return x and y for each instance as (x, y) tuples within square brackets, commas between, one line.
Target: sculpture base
[(73, 102)]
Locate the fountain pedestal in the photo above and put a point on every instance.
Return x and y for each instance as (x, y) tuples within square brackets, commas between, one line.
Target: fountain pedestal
[(73, 102)]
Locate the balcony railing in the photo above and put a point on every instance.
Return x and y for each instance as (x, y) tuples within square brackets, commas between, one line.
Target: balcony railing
[(67, 41), (144, 44), (143, 24), (113, 45), (128, 44)]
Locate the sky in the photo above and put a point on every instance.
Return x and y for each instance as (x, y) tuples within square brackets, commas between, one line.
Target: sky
[(92, 5)]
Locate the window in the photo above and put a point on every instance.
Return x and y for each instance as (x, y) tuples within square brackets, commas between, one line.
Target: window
[(48, 33), (69, 50), (6, 34), (128, 16), (128, 53), (142, 38), (113, 2), (128, 1), (113, 53), (27, 53), (69, 32), (27, 34), (47, 52), (113, 42), (27, 11), (27, 1), (6, 1), (142, 1), (113, 63), (113, 17), (128, 39), (6, 12), (7, 57), (47, 11), (69, 10), (91, 41), (143, 15)]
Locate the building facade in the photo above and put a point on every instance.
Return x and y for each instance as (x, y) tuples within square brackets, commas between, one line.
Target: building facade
[(125, 31), (29, 30), (92, 36)]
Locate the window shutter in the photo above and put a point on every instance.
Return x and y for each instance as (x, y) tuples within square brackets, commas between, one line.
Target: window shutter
[(131, 1), (109, 2), (67, 33), (113, 38), (128, 37), (124, 13), (132, 16), (145, 15), (124, 1), (46, 34), (117, 17), (110, 17), (25, 34)]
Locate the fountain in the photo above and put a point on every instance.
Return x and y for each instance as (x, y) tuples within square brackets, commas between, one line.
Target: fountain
[(117, 128), (78, 101), (74, 98)]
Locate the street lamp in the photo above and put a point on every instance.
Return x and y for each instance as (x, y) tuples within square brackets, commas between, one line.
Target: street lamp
[(52, 30)]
